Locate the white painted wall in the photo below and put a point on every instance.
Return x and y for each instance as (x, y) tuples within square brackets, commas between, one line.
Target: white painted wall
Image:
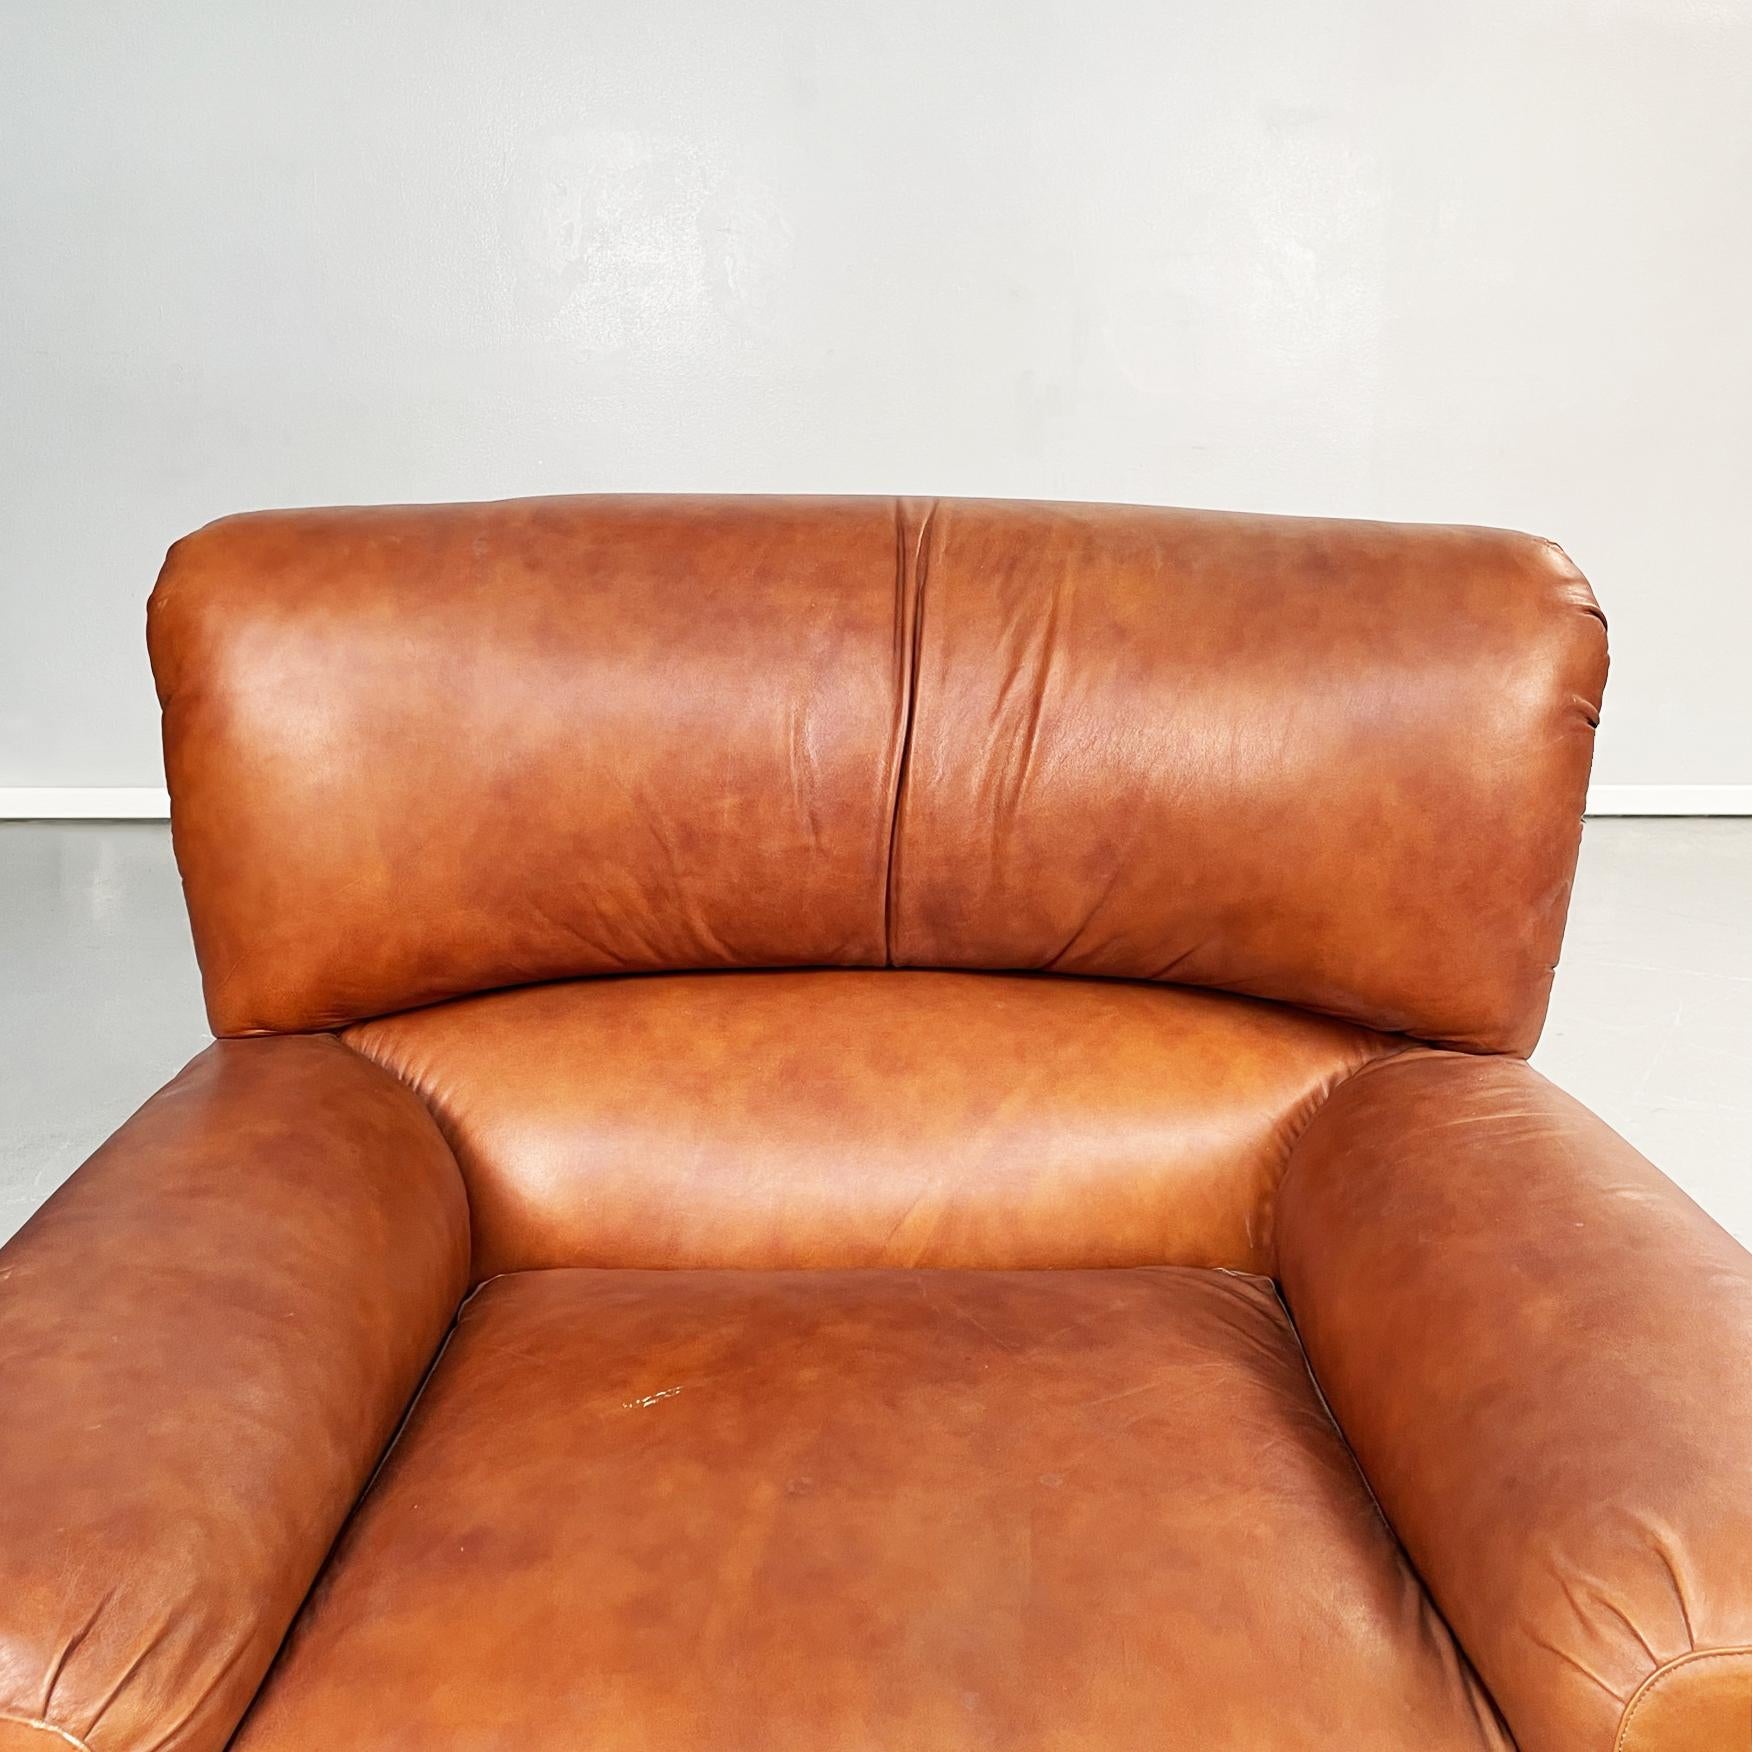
[(1375, 257)]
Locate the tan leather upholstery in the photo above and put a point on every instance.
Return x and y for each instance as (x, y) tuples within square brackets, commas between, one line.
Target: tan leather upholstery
[(708, 895), (423, 752), (1541, 1351), (206, 1337), (1341, 764), (868, 1119), (748, 1510)]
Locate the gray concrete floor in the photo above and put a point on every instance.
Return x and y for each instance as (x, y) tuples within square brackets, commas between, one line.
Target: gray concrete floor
[(1651, 1023)]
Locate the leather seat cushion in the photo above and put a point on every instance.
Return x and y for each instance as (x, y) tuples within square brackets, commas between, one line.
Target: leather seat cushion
[(829, 1512)]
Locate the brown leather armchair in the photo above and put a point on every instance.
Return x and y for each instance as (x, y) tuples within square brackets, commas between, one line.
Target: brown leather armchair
[(852, 1125)]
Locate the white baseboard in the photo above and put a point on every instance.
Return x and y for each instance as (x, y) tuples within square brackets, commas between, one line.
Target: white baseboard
[(84, 803), (145, 803), (1670, 800)]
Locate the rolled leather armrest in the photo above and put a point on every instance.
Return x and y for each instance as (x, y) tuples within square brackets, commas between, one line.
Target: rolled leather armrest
[(1540, 1351), (207, 1337)]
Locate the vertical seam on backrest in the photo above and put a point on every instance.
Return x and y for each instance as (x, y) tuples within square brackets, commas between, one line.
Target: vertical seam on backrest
[(909, 598)]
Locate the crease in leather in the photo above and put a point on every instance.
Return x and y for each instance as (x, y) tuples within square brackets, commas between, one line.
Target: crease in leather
[(1478, 1692), (242, 1647), (389, 1447), (1669, 1669), (909, 631), (396, 1434), (442, 1125), (1317, 1106)]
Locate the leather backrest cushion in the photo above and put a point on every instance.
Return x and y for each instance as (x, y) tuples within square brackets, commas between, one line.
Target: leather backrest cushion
[(862, 1118), (425, 751), (1342, 764), (419, 752)]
